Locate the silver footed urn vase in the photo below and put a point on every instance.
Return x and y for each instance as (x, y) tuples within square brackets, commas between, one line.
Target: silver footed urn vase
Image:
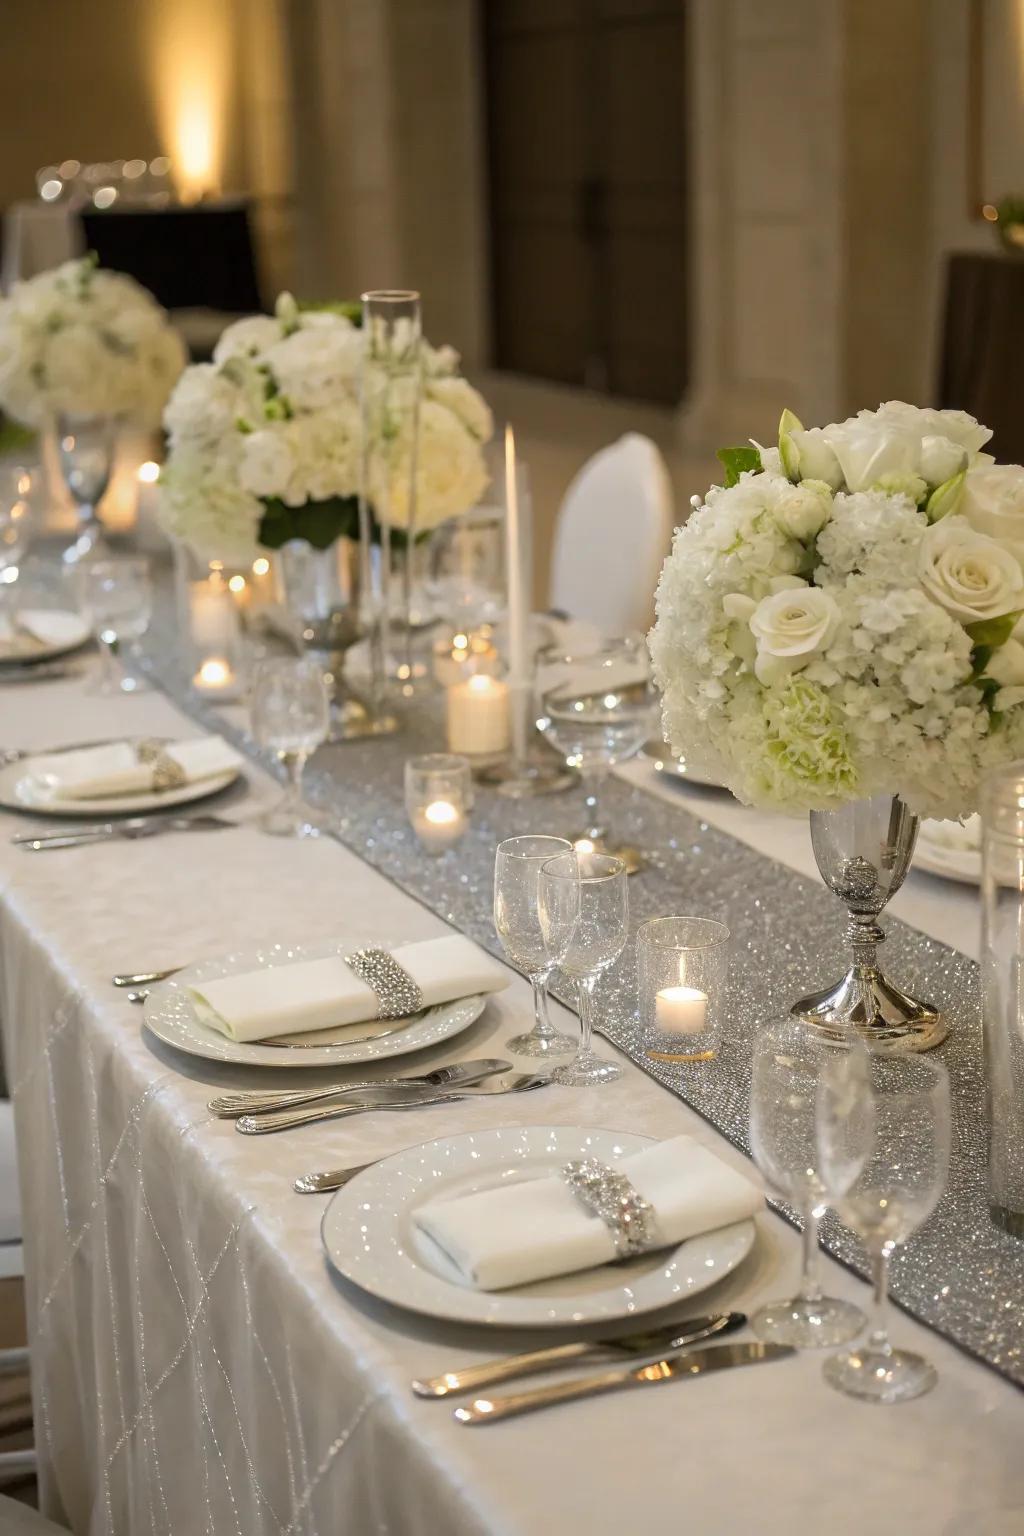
[(863, 852)]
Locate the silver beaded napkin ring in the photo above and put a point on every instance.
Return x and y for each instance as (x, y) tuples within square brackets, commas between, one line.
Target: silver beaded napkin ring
[(607, 1193), (396, 993), (167, 772)]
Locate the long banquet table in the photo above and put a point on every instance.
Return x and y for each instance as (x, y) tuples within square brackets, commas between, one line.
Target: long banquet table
[(198, 1368)]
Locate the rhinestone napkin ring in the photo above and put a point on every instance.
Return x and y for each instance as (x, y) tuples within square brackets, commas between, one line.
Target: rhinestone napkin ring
[(167, 773), (607, 1193), (396, 993)]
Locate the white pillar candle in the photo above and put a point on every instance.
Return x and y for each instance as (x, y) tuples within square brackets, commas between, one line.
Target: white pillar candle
[(439, 825), (478, 722), (681, 1010), (216, 679), (213, 617)]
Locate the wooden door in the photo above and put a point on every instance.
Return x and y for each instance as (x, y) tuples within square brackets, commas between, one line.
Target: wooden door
[(587, 161)]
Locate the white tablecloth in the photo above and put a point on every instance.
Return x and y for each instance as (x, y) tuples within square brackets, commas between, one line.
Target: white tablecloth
[(198, 1370)]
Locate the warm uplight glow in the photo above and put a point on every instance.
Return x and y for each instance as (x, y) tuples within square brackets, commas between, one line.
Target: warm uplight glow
[(260, 567), (237, 583), (990, 212), (149, 472), (214, 674), (190, 60)]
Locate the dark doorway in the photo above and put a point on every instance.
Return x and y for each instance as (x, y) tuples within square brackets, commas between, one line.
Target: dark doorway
[(587, 156)]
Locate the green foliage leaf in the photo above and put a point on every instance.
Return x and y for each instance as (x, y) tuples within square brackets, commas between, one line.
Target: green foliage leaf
[(14, 438), (319, 523), (945, 498), (351, 309), (993, 632), (980, 657), (736, 461)]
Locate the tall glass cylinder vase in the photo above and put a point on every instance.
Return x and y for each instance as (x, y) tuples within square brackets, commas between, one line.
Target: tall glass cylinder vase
[(863, 851), (1002, 974), (391, 390), (321, 589)]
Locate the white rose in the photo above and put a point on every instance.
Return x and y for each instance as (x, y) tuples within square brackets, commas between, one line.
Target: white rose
[(993, 503), (802, 511), (466, 403), (867, 451), (926, 422), (267, 463), (247, 338), (316, 365), (791, 628), (970, 576), (941, 459), (1006, 664), (204, 405), (816, 457)]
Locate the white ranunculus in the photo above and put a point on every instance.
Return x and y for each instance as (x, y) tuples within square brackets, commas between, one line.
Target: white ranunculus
[(993, 503), (817, 458), (314, 366), (941, 459), (247, 338), (803, 510), (969, 575), (203, 406), (791, 628), (465, 402), (267, 463), (868, 451)]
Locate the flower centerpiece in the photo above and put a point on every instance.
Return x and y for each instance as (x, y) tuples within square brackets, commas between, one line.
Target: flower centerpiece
[(839, 625), (265, 442), (82, 341)]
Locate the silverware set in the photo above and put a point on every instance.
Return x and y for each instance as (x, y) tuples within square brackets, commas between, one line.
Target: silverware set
[(230, 1105), (130, 829), (285, 1120)]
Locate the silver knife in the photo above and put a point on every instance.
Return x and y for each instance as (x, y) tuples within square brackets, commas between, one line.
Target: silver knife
[(681, 1367), (110, 831), (230, 1105), (640, 1346), (285, 1120)]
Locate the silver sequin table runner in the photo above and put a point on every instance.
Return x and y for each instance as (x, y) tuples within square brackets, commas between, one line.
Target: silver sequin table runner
[(960, 1274)]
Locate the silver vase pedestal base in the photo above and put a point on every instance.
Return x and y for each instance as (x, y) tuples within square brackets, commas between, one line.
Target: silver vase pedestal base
[(886, 1018)]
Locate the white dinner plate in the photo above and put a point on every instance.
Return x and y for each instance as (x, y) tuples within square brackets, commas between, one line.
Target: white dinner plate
[(659, 755), (942, 851), (29, 650), (18, 792), (171, 1016), (370, 1238)]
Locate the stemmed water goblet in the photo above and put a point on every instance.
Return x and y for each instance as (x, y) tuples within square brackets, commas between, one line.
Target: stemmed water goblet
[(789, 1060), (291, 717), (597, 709), (15, 528), (117, 601), (517, 866), (86, 449), (883, 1135), (583, 904)]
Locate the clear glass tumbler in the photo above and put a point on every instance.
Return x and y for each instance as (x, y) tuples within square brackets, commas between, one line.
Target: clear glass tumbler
[(682, 967), (1002, 970)]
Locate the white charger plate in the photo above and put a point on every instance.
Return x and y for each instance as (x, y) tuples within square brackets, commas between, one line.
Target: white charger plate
[(19, 793), (23, 656), (937, 858), (170, 1015), (370, 1237)]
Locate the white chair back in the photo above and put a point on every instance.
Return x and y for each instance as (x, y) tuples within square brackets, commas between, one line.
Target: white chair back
[(613, 531), (11, 1262)]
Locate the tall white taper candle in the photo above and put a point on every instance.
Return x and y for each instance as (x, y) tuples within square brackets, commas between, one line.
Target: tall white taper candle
[(518, 675)]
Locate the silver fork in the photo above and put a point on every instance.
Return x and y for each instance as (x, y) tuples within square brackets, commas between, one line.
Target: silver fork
[(323, 1183), (286, 1120)]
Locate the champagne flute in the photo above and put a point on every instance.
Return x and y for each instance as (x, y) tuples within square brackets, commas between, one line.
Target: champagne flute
[(583, 904), (117, 600), (15, 527), (86, 449), (884, 1128), (517, 866), (290, 716), (787, 1068)]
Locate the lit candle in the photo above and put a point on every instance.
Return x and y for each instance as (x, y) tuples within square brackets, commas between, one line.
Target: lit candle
[(478, 716), (214, 677), (439, 826), (681, 1010), (214, 619)]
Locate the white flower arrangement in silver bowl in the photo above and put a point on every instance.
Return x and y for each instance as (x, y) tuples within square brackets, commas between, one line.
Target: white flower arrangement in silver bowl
[(839, 630)]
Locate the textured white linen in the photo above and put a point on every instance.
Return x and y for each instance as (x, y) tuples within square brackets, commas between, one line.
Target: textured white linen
[(94, 773), (318, 994), (530, 1231), (197, 1370)]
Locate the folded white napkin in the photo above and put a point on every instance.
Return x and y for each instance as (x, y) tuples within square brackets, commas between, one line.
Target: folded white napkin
[(530, 1231), (320, 994), (35, 627), (98, 772)]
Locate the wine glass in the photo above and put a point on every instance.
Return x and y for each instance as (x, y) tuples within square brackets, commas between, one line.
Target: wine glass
[(86, 449), (583, 905), (117, 601), (787, 1067), (15, 527), (883, 1134), (290, 716), (517, 866), (597, 709)]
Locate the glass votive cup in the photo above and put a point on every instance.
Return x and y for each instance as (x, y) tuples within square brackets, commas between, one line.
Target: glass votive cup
[(438, 799), (682, 967)]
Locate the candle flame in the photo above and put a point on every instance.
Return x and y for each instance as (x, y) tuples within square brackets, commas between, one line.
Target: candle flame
[(215, 673), (441, 813)]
